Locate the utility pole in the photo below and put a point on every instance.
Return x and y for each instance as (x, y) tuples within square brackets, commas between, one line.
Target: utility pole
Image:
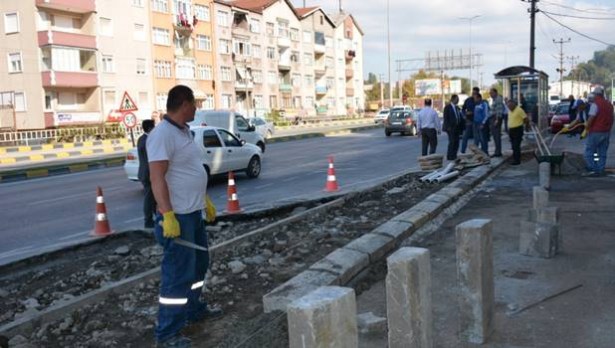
[(389, 56), (533, 10), (561, 69), (381, 91), (470, 20)]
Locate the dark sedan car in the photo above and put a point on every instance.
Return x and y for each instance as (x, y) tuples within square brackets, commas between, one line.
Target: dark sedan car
[(402, 121)]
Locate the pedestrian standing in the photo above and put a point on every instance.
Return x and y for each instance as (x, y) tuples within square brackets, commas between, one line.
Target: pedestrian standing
[(468, 112), (429, 128), (454, 126), (517, 119), (572, 108), (179, 183), (495, 120), (599, 126), (481, 123), (149, 203)]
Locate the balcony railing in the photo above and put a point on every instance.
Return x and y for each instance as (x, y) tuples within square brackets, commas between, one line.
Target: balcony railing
[(349, 73), (243, 85), (286, 87), (349, 92), (71, 79), (74, 6), (322, 110), (350, 54), (51, 37), (320, 70), (319, 49), (283, 41), (320, 90), (284, 65)]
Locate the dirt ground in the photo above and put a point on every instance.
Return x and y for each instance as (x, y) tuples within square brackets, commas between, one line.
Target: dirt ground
[(238, 280)]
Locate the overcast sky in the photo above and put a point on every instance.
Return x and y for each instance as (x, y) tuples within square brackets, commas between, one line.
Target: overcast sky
[(501, 34)]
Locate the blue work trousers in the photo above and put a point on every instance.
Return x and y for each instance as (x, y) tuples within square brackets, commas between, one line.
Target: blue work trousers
[(183, 274), (595, 151), (481, 136), (467, 134)]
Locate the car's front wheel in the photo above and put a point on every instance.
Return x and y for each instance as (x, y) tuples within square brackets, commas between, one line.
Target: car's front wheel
[(387, 133), (254, 167)]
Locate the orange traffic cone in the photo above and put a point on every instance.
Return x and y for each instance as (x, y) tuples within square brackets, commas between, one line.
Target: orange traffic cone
[(232, 206), (331, 180), (101, 224)]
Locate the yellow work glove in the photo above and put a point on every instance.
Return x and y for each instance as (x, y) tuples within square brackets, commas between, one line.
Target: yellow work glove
[(170, 226), (566, 128), (210, 210), (584, 134)]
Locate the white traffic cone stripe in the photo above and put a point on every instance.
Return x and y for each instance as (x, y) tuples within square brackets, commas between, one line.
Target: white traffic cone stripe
[(101, 217), (330, 165), (330, 177), (231, 182), (234, 197), (100, 199)]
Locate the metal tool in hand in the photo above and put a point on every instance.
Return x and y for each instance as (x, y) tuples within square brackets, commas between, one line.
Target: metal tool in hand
[(190, 244)]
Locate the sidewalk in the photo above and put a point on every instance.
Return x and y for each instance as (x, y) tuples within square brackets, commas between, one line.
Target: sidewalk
[(580, 318)]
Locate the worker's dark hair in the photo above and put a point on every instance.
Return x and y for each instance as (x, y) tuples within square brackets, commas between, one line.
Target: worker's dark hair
[(177, 96), (454, 96), (427, 102), (476, 89), (147, 125)]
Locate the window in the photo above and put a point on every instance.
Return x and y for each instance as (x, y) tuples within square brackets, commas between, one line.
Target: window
[(226, 101), (225, 46), (256, 51), (208, 102), (322, 20), (20, 101), (202, 13), (270, 29), (294, 34), (160, 5), (329, 62), (222, 18), (185, 68), (210, 139), (258, 101), (162, 69), (203, 42), (257, 76), (107, 64), (141, 66), (283, 29), (182, 43), (161, 101), (226, 73), (331, 103), (271, 52), (273, 101), (309, 80), (329, 42), (294, 56), (137, 3), (15, 65), (106, 26), (11, 23), (139, 34), (242, 48), (255, 25), (204, 72), (272, 78), (160, 36), (330, 82), (296, 80), (309, 102), (307, 36), (319, 38), (48, 100), (296, 102), (308, 59)]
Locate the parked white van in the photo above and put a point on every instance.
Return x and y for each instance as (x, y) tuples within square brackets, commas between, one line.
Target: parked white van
[(232, 121)]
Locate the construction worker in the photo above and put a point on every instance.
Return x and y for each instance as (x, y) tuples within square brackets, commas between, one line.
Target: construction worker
[(179, 182), (517, 119), (598, 128), (149, 203)]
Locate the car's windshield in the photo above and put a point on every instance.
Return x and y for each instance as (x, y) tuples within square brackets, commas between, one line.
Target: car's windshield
[(399, 114), (562, 109), (384, 112)]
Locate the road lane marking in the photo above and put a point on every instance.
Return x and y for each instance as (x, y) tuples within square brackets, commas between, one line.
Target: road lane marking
[(72, 196), (132, 220), (263, 186), (75, 235)]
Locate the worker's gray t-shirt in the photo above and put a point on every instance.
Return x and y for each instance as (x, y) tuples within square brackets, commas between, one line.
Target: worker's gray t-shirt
[(186, 177)]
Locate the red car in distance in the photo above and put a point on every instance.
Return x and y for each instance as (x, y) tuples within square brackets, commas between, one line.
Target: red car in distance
[(560, 117)]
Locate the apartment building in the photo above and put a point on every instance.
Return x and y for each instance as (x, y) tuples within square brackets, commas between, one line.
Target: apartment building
[(183, 52), (348, 43), (224, 70)]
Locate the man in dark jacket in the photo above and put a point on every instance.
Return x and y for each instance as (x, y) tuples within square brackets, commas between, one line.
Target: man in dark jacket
[(149, 203), (468, 111), (454, 125)]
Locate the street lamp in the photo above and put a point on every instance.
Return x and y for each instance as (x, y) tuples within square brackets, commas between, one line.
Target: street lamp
[(389, 56), (470, 20)]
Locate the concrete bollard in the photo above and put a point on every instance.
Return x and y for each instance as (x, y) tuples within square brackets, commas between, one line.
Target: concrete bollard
[(326, 317), (538, 239), (475, 275), (544, 175), (408, 287), (548, 215), (541, 197)]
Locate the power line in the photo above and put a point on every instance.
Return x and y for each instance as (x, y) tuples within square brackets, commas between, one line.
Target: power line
[(579, 17), (594, 11), (576, 31)]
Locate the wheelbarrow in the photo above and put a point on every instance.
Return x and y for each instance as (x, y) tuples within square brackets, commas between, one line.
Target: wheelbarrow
[(543, 154)]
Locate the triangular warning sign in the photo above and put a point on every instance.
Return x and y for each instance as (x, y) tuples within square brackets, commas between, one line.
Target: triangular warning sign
[(127, 104)]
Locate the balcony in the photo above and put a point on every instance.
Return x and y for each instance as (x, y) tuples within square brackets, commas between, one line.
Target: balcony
[(283, 41), (320, 49), (321, 90), (320, 71), (322, 110), (350, 54), (243, 85), (241, 29), (73, 6), (284, 65), (286, 87), (60, 38), (71, 79), (350, 92), (349, 73)]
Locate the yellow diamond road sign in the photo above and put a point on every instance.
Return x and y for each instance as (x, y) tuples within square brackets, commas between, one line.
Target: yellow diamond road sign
[(127, 104)]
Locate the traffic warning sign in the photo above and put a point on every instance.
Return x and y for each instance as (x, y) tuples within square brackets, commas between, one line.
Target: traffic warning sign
[(127, 104)]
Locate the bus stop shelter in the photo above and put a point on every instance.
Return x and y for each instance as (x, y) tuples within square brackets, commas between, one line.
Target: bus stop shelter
[(530, 88)]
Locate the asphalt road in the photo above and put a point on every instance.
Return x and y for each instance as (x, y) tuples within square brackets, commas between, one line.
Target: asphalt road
[(47, 213)]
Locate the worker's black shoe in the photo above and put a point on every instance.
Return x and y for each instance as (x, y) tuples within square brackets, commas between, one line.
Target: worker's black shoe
[(177, 341), (207, 313)]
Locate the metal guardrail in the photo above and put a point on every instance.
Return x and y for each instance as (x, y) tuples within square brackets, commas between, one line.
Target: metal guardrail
[(47, 136)]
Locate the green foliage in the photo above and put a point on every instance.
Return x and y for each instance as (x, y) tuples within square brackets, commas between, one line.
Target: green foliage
[(598, 70)]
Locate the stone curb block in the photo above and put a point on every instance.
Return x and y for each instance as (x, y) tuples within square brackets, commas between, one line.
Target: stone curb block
[(395, 229), (375, 245), (346, 263), (297, 287)]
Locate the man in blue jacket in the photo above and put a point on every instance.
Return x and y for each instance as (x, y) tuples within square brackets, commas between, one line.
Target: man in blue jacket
[(481, 123)]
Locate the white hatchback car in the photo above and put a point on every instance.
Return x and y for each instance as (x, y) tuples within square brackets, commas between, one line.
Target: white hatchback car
[(381, 116), (221, 151), (263, 127)]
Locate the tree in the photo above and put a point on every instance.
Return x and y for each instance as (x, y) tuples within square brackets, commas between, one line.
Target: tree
[(372, 79), (599, 70)]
